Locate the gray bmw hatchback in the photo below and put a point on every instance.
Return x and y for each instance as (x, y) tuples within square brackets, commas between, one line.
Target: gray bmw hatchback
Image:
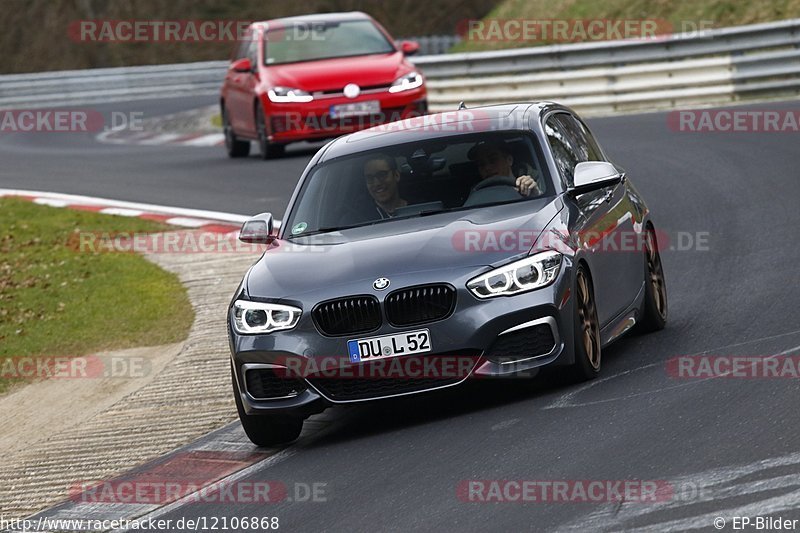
[(485, 242)]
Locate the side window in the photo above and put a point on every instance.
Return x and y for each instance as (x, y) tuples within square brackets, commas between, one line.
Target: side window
[(243, 46), (562, 146), (583, 140), (252, 50), (572, 143), (595, 153)]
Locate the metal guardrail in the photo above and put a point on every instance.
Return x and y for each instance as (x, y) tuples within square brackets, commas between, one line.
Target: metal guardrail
[(435, 44), (70, 87), (714, 66), (600, 77), (736, 39)]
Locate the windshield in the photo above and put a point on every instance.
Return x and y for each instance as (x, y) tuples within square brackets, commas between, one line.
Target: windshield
[(328, 40), (419, 179)]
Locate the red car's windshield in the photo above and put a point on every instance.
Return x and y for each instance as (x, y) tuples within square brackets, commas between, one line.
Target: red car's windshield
[(324, 40)]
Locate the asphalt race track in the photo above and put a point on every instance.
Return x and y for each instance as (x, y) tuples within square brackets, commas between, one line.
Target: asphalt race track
[(397, 465)]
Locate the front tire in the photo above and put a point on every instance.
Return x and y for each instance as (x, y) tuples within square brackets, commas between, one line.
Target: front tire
[(234, 146), (654, 308), (266, 430), (268, 150), (586, 329)]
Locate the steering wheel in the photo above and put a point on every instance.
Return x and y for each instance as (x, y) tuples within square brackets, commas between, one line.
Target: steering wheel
[(496, 181)]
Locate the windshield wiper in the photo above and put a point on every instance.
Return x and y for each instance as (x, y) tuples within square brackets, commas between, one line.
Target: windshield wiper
[(428, 212), (330, 229)]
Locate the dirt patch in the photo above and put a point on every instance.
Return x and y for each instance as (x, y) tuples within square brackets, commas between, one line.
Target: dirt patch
[(35, 412)]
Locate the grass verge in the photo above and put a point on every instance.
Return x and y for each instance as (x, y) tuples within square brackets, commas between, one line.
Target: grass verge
[(58, 301)]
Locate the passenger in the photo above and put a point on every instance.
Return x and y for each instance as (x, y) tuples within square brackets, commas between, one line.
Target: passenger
[(382, 179)]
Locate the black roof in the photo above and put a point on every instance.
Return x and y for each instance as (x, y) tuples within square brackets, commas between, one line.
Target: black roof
[(494, 118)]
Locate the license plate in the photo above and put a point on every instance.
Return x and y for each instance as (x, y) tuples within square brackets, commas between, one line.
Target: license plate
[(356, 109), (373, 348)]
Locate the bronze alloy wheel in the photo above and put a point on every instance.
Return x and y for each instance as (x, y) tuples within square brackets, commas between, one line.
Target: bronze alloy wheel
[(587, 317), (656, 274)]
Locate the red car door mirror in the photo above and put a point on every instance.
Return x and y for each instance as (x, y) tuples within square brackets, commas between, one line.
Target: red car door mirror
[(242, 65), (409, 47)]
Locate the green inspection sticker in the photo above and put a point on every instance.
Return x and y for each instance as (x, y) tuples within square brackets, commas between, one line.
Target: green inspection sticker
[(300, 227)]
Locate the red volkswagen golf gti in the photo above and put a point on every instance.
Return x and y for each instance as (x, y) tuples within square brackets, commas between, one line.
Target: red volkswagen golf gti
[(316, 77)]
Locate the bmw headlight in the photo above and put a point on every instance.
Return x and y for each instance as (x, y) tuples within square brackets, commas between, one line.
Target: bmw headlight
[(412, 80), (534, 272), (283, 95), (257, 317)]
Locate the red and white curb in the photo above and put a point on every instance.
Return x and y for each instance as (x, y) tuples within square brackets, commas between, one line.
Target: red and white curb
[(151, 138), (210, 221), (215, 467)]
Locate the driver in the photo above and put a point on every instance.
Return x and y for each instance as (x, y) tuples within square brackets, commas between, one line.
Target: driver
[(494, 159)]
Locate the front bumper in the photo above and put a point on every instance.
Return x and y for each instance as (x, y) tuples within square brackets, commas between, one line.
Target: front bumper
[(291, 122), (494, 333)]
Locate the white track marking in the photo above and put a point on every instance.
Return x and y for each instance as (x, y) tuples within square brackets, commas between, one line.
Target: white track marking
[(41, 197), (505, 424), (148, 138), (713, 486), (566, 399), (122, 212), (187, 222), (212, 139), (162, 138), (51, 202)]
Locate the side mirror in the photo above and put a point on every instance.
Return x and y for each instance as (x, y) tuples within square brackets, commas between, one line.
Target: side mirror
[(593, 175), (257, 230), (409, 48), (242, 65)]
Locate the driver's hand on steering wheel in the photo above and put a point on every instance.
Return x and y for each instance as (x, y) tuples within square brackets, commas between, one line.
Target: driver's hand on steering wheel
[(527, 186)]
